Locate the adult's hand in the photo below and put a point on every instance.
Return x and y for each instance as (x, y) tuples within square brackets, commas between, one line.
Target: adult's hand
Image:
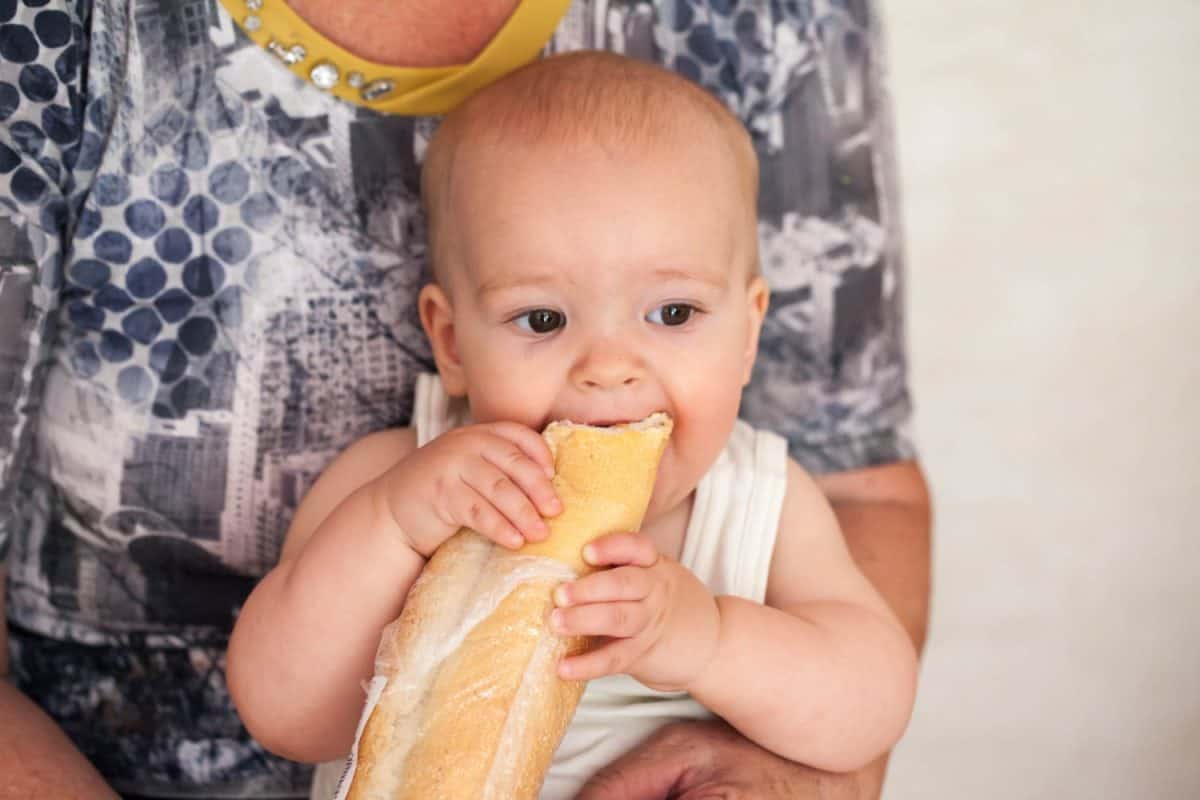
[(711, 761), (36, 757)]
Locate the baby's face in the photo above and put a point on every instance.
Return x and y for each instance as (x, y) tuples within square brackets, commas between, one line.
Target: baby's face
[(599, 288)]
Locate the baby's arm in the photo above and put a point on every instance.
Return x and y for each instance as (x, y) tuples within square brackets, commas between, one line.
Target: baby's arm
[(823, 673), (306, 638), (308, 632)]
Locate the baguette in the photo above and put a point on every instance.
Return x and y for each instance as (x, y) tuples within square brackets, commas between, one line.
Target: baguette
[(466, 703)]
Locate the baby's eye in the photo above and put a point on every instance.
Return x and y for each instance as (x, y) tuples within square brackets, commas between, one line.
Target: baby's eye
[(540, 320), (671, 314)]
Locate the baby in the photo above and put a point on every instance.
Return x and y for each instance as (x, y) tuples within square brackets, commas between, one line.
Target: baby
[(593, 240)]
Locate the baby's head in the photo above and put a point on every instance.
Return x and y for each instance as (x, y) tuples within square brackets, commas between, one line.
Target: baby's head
[(593, 237)]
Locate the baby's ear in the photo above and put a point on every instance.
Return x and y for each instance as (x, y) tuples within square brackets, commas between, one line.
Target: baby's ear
[(437, 318), (758, 298)]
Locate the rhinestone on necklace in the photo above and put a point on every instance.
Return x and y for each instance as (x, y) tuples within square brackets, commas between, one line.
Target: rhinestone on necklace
[(288, 55), (253, 22), (376, 89), (325, 74)]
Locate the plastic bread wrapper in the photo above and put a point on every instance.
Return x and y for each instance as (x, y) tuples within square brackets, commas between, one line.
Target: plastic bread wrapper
[(465, 692)]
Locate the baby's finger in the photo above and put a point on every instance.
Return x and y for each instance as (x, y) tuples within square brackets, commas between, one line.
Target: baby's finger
[(621, 548), (524, 472), (619, 583), (609, 659), (473, 510), (506, 497), (619, 620), (529, 441)]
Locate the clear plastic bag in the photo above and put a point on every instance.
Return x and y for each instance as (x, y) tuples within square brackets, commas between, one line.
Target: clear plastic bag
[(468, 691)]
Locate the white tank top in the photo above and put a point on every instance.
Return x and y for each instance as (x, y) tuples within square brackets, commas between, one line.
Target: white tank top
[(728, 545)]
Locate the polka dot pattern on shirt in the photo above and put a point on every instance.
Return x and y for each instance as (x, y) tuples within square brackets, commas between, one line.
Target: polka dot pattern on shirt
[(164, 240)]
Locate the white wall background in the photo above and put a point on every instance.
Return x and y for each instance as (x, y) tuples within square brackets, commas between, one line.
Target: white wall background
[(1050, 154)]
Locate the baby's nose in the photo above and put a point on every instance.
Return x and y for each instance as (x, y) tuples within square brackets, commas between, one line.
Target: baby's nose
[(609, 367)]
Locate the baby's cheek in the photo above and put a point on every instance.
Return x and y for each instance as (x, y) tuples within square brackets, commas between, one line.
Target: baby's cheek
[(701, 433), (497, 396)]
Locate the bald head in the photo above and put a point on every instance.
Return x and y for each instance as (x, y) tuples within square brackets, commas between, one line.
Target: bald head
[(618, 105)]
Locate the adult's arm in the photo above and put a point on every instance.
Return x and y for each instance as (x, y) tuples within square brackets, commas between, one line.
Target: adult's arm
[(36, 757), (886, 519), (885, 516)]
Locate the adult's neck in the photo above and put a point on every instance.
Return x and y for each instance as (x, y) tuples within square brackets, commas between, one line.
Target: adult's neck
[(408, 33)]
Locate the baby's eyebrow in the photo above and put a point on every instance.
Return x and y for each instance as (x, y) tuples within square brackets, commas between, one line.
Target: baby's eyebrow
[(504, 284), (676, 274)]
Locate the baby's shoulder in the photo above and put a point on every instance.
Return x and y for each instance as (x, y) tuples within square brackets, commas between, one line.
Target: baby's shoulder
[(362, 462), (802, 493), (378, 450), (357, 465)]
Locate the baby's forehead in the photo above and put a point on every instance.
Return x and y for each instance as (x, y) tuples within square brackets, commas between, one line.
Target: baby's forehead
[(692, 150), (507, 197)]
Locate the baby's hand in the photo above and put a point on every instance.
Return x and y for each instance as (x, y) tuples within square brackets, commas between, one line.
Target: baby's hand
[(493, 478), (661, 622)]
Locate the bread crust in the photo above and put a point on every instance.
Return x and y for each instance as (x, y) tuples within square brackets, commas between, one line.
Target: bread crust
[(473, 706)]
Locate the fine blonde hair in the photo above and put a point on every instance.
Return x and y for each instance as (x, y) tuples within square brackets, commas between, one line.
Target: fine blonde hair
[(587, 98)]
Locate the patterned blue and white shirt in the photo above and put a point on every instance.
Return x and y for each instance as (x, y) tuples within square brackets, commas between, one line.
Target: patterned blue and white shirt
[(207, 279)]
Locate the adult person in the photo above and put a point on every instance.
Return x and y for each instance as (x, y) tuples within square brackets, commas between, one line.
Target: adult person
[(209, 241)]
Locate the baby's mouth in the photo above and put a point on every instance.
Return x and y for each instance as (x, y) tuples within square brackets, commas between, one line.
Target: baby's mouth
[(609, 422)]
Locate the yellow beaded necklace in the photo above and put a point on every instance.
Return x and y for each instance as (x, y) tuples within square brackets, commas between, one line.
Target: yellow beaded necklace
[(416, 91)]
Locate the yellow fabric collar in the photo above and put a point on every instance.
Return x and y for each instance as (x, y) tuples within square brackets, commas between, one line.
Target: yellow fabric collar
[(274, 26)]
